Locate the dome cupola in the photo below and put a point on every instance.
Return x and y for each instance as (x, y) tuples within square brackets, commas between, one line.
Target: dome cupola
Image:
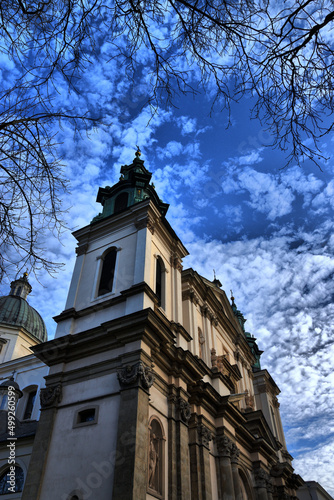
[(16, 312), (133, 187)]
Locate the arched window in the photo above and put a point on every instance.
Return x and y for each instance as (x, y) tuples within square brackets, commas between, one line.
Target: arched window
[(107, 273), (160, 282), (11, 479), (30, 404), (4, 402), (156, 457), (245, 488), (121, 202), (27, 403)]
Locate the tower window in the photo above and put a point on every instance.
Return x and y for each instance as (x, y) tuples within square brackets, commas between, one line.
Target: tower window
[(4, 402), (121, 202), (30, 405), (107, 274), (160, 282)]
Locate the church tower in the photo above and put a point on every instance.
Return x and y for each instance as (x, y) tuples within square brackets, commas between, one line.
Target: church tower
[(128, 258), (155, 390)]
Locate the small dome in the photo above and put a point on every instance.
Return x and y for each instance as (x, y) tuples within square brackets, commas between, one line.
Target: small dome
[(15, 310)]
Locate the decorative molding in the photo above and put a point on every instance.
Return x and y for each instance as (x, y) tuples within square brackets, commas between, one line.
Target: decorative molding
[(261, 478), (50, 396), (215, 320), (263, 388), (184, 409), (148, 222), (224, 446), (192, 295), (204, 310), (204, 435), (275, 402), (182, 406), (235, 452), (176, 262), (172, 398), (81, 249), (130, 375)]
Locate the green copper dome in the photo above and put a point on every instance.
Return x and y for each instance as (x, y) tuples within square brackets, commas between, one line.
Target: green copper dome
[(15, 310)]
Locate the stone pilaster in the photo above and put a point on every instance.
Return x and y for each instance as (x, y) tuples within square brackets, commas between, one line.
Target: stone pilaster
[(178, 450), (226, 486), (130, 481), (235, 472), (200, 437), (270, 488), (50, 398), (261, 481)]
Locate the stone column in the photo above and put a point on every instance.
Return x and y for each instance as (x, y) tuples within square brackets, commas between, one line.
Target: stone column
[(50, 398), (224, 448), (142, 271), (130, 479), (176, 269), (235, 472), (270, 488), (200, 437), (261, 479), (178, 447)]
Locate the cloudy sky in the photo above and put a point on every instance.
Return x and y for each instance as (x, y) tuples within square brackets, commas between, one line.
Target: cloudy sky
[(265, 229)]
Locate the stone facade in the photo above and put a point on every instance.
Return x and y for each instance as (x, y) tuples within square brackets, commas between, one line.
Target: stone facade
[(154, 388)]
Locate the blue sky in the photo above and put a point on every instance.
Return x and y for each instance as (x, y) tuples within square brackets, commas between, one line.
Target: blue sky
[(265, 229)]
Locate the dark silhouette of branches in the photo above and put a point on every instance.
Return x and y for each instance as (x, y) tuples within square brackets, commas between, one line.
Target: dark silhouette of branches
[(281, 54), (31, 183)]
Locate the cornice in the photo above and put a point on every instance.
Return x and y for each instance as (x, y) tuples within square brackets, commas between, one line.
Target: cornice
[(72, 313), (268, 381), (143, 325)]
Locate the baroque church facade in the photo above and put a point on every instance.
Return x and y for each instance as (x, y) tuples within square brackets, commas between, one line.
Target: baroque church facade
[(152, 388)]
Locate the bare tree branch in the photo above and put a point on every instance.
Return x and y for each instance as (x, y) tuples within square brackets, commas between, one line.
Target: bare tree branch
[(280, 54)]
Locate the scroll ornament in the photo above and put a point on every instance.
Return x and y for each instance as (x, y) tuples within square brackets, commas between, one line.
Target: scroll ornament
[(205, 435), (50, 396), (130, 374), (184, 409), (224, 446)]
